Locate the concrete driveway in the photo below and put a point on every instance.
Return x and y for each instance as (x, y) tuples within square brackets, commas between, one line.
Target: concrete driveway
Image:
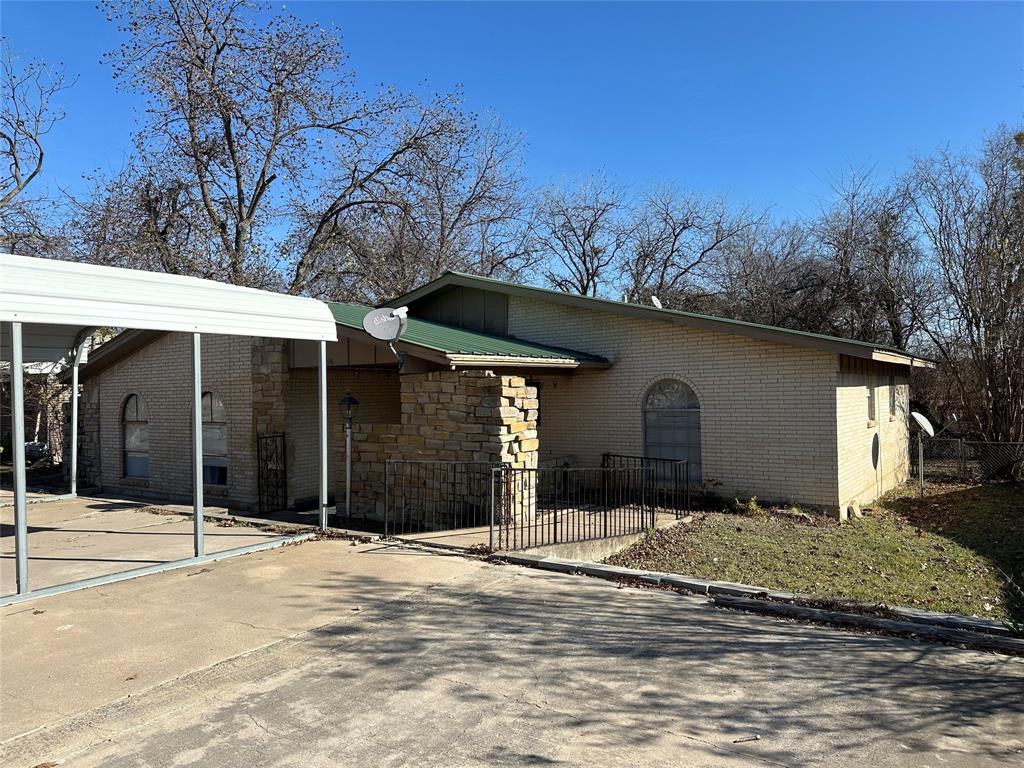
[(83, 537), (452, 662)]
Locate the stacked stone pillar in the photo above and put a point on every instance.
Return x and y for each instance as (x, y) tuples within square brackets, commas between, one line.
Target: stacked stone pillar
[(465, 416)]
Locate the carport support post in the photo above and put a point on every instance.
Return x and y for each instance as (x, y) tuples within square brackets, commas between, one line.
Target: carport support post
[(197, 448), (18, 440), (73, 490), (322, 379)]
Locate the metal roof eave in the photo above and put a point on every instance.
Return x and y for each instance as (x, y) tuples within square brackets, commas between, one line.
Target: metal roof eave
[(704, 322), (470, 360)]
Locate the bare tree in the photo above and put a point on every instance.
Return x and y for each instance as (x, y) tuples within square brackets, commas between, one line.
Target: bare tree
[(249, 113), (971, 213), (581, 233), (674, 241), (26, 117), (768, 273), (454, 203)]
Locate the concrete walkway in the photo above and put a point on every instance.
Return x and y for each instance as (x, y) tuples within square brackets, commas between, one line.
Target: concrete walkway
[(80, 538), (451, 662)]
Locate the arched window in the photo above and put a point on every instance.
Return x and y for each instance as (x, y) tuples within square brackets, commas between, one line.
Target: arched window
[(672, 424), (135, 423), (215, 441)]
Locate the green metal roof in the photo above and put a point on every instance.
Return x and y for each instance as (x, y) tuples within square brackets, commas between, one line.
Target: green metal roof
[(741, 327), (459, 341)]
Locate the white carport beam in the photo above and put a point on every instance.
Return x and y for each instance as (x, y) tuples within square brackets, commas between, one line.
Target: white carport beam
[(18, 438), (197, 447), (322, 379)]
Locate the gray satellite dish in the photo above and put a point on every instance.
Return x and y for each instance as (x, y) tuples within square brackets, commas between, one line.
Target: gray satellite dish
[(656, 301), (923, 423), (386, 324)]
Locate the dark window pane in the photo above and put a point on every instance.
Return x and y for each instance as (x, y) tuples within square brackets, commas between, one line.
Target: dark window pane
[(215, 470), (136, 465)]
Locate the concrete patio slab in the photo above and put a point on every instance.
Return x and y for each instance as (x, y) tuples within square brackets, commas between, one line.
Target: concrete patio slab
[(81, 538)]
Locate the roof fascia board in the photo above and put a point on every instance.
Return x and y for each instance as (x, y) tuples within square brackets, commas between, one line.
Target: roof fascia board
[(507, 361), (114, 351)]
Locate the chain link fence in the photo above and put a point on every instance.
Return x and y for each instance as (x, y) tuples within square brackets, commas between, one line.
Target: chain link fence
[(955, 460)]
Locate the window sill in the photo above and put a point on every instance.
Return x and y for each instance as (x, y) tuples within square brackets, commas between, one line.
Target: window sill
[(872, 423)]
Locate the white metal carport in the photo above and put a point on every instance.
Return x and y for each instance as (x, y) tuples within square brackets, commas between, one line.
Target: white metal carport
[(51, 308)]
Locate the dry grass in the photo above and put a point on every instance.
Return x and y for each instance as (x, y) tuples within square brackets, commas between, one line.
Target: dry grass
[(950, 551)]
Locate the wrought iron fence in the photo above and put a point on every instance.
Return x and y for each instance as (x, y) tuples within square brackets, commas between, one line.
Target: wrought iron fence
[(422, 496), (955, 460), (671, 479), (557, 505), (271, 473)]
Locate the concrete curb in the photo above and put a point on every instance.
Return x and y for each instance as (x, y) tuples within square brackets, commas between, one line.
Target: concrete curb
[(980, 640), (911, 616)]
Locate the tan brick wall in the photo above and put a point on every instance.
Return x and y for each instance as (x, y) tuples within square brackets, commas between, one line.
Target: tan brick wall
[(379, 403), (768, 411), (860, 481), (161, 373)]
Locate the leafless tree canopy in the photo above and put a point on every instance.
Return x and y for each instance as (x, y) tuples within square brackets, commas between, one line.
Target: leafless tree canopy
[(970, 211), (261, 161), (581, 233), (28, 114)]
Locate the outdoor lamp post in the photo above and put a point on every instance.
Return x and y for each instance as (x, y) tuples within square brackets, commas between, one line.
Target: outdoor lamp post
[(351, 405)]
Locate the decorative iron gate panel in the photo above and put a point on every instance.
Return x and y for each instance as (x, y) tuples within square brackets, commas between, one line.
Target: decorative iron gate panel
[(271, 473)]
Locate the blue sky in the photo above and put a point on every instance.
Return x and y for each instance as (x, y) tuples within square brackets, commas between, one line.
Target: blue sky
[(760, 102)]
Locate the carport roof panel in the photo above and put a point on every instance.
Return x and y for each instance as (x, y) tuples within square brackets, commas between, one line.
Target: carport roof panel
[(48, 295), (459, 341)]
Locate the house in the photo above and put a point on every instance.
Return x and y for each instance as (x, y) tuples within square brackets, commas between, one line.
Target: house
[(45, 405), (506, 373)]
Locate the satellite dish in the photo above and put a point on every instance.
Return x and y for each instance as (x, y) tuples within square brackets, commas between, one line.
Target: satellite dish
[(386, 324), (923, 423), (656, 301)]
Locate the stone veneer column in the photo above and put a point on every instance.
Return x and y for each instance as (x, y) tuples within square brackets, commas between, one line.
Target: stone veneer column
[(270, 369), (269, 379), (446, 416)]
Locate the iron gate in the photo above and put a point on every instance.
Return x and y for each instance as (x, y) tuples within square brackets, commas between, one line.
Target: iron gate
[(271, 473)]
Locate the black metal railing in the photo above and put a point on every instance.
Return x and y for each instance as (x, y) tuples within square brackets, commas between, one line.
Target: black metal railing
[(671, 479), (558, 505), (422, 496)]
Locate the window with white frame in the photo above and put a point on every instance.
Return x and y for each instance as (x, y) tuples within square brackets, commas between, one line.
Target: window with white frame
[(892, 396), (872, 411), (215, 441), (135, 427)]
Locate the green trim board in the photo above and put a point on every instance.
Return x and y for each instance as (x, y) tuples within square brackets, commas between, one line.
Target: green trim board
[(459, 342), (708, 322)]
